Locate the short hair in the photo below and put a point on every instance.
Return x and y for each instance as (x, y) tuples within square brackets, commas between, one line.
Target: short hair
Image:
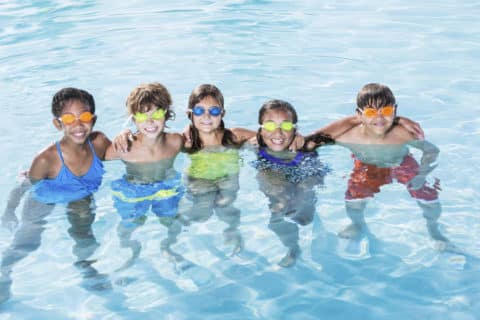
[(375, 95), (149, 95), (66, 95), (276, 105)]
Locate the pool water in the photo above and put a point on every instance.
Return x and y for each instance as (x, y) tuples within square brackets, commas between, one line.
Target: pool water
[(314, 55)]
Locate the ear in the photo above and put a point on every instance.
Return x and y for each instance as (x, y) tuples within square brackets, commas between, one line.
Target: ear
[(223, 112), (57, 123), (189, 114), (94, 120)]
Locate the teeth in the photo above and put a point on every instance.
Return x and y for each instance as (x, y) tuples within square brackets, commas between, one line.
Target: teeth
[(277, 141)]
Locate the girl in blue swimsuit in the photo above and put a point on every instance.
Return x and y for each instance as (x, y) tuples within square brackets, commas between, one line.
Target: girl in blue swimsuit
[(66, 172)]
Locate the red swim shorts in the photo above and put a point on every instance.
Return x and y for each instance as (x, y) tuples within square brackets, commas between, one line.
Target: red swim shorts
[(366, 180)]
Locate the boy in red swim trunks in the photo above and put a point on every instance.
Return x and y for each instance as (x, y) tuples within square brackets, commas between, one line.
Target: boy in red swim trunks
[(381, 155)]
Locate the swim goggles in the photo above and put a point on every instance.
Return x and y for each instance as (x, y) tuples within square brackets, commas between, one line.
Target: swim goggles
[(213, 111), (70, 118), (386, 111), (271, 126), (143, 116)]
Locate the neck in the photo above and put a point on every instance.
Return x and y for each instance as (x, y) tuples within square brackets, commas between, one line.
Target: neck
[(213, 138), (151, 141), (74, 146)]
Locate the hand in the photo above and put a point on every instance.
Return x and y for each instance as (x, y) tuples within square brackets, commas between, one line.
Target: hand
[(123, 141), (186, 134), (412, 126), (297, 143), (253, 141)]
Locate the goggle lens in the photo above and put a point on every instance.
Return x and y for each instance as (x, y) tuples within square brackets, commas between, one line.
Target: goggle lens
[(69, 118), (386, 111), (157, 115), (271, 126), (213, 111)]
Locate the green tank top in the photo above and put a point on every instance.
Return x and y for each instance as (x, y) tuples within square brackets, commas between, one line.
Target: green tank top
[(213, 164)]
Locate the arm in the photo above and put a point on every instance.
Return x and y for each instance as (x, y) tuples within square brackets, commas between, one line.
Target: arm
[(330, 132), (9, 219), (411, 126), (427, 162), (121, 143), (243, 135)]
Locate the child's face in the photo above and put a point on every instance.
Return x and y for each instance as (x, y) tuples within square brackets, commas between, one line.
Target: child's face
[(279, 139), (377, 121), (207, 115), (151, 123), (76, 121)]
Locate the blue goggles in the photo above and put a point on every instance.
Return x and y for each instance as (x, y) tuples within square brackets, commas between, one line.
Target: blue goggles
[(213, 111)]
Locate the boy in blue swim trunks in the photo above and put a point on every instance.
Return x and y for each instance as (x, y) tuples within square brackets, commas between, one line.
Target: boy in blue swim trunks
[(68, 172), (150, 181)]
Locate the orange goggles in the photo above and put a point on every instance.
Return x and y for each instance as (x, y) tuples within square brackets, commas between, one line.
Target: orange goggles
[(386, 111), (70, 118)]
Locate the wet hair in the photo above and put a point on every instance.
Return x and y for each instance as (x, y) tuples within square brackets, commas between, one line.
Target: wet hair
[(375, 95), (198, 94), (67, 95), (275, 105), (147, 96)]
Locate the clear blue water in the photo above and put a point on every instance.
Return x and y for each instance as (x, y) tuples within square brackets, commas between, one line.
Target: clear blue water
[(315, 55)]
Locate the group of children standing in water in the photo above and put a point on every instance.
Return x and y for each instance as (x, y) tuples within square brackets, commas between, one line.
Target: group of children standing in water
[(288, 167)]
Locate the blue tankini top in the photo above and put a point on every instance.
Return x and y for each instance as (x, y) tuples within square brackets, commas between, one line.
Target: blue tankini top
[(66, 186), (302, 166)]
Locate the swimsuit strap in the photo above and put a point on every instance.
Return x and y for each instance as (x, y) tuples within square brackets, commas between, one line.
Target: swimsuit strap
[(92, 148), (59, 152), (292, 163)]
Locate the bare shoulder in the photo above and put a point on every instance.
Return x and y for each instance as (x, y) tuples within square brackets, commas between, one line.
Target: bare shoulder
[(399, 134), (175, 140), (242, 134), (100, 142), (46, 164)]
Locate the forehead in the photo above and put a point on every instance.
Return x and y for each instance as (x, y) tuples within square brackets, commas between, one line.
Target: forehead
[(75, 106), (208, 101), (277, 115)]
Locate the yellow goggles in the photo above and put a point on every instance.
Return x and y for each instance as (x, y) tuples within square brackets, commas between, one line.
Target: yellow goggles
[(157, 115), (386, 111), (70, 118), (271, 126)]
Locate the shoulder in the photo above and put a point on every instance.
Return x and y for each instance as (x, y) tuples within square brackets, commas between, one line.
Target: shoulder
[(45, 163), (175, 140), (399, 134), (100, 143)]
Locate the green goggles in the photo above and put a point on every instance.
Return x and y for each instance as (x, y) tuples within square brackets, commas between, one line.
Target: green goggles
[(271, 126), (143, 116)]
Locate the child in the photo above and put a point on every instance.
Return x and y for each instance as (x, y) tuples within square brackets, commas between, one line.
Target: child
[(212, 177), (381, 154), (150, 180), (68, 171)]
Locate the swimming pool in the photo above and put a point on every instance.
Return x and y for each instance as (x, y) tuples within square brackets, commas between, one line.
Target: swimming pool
[(315, 56)]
